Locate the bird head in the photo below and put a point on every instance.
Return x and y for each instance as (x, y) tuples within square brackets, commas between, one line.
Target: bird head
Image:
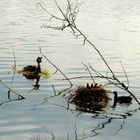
[(39, 60), (115, 93)]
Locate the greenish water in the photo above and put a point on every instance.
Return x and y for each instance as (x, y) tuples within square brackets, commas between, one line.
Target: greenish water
[(114, 28)]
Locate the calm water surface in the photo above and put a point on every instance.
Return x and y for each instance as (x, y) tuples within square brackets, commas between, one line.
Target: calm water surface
[(114, 28)]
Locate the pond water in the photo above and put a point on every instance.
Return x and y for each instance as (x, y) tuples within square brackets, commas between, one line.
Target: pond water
[(113, 27)]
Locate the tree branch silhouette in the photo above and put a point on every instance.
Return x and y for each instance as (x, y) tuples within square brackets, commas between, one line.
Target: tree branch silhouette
[(68, 21)]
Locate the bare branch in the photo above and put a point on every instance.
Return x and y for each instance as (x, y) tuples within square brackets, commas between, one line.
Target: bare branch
[(90, 73), (55, 67), (64, 15), (14, 67), (10, 101), (84, 41), (39, 5), (54, 90), (11, 89), (69, 22), (125, 74)]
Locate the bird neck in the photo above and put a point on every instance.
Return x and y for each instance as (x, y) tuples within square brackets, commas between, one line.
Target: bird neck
[(38, 67), (115, 96)]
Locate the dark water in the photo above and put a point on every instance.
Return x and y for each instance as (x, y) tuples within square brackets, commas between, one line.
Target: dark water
[(114, 28)]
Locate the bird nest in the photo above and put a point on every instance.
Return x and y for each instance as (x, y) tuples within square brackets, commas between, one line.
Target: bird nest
[(89, 98)]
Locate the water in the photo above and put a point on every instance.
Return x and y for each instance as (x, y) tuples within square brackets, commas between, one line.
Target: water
[(114, 28)]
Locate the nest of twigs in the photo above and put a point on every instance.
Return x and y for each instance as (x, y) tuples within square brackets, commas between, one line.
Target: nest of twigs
[(89, 98)]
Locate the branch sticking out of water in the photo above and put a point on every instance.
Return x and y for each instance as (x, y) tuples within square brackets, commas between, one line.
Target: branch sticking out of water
[(90, 73), (57, 69), (68, 21), (19, 96), (125, 74)]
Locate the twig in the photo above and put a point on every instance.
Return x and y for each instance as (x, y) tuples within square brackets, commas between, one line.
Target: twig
[(125, 74), (65, 17), (90, 73), (22, 97), (54, 90), (11, 100), (55, 71), (14, 67), (52, 16), (80, 77), (55, 67)]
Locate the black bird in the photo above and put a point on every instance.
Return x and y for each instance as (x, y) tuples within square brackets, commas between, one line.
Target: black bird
[(122, 99), (32, 71), (33, 68)]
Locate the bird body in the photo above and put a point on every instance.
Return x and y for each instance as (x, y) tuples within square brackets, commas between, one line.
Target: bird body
[(30, 68), (122, 99), (33, 68), (32, 71)]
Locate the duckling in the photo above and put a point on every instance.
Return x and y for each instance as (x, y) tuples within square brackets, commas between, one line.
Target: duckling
[(33, 68), (122, 99)]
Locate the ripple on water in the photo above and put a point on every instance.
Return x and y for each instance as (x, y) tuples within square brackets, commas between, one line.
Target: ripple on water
[(114, 30)]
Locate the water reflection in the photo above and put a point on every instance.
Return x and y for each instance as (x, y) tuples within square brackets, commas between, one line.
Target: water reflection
[(20, 26), (105, 121), (93, 131), (36, 86)]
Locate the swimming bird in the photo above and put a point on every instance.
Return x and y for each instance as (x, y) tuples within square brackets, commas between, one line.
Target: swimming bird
[(32, 71), (33, 68), (122, 99)]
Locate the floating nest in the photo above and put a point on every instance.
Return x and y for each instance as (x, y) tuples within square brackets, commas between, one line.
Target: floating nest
[(89, 98)]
